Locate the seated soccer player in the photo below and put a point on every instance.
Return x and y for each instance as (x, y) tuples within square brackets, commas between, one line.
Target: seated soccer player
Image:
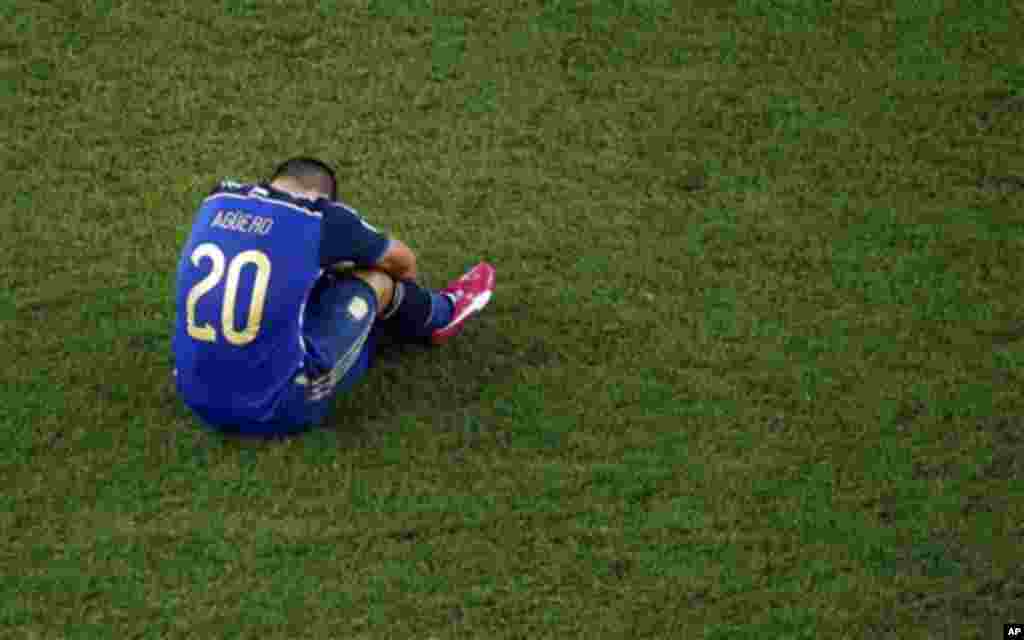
[(281, 292)]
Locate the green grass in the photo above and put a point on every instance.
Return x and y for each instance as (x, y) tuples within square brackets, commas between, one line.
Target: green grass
[(753, 368)]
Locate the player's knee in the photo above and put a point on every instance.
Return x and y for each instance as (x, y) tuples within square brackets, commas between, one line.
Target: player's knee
[(381, 283)]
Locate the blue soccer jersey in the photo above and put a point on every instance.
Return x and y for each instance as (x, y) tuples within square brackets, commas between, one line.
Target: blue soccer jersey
[(244, 276)]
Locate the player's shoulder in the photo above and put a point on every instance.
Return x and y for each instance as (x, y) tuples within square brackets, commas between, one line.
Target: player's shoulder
[(232, 189), (254, 189), (229, 186), (345, 210)]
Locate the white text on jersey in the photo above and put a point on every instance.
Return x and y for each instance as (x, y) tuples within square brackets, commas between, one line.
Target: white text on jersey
[(234, 220)]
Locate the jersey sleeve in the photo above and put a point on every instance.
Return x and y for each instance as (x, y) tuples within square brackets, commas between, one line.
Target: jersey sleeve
[(346, 237)]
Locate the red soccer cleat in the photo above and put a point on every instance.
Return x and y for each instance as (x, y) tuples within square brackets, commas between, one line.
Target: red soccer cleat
[(470, 293)]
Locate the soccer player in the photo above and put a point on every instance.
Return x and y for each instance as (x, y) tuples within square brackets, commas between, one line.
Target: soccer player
[(281, 292)]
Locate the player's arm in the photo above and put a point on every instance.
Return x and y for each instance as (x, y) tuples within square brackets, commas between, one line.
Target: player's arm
[(348, 240)]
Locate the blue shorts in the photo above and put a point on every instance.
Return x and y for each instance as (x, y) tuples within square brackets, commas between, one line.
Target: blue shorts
[(338, 333)]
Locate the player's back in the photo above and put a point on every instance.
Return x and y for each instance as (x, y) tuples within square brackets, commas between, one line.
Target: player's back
[(242, 283)]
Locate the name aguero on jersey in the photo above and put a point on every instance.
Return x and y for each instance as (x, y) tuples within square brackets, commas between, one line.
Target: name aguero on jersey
[(236, 220)]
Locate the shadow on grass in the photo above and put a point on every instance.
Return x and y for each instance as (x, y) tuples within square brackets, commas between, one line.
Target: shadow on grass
[(433, 383)]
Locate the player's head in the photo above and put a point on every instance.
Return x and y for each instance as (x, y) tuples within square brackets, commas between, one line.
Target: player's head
[(312, 175)]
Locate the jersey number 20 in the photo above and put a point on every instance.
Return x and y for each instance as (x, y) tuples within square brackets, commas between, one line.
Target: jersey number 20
[(206, 332)]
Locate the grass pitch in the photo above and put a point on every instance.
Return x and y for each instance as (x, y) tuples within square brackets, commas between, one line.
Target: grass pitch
[(752, 370)]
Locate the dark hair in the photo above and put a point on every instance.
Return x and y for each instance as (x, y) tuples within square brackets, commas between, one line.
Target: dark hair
[(310, 173)]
